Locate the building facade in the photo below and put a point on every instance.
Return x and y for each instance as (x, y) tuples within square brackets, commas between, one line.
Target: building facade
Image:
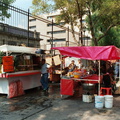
[(54, 34), (16, 36)]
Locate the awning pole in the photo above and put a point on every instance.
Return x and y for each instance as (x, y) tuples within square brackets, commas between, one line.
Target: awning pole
[(99, 80), (119, 69), (61, 65)]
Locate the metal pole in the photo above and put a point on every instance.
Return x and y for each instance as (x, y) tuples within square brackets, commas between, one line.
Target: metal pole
[(87, 40), (40, 41), (61, 65), (84, 38), (28, 29), (52, 38), (68, 37), (119, 69), (99, 80)]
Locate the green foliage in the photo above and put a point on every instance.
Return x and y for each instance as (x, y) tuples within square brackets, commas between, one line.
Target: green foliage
[(103, 15), (109, 13), (112, 38), (42, 6), (4, 9)]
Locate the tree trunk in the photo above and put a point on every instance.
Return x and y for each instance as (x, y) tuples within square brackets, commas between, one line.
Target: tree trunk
[(80, 17), (73, 33), (92, 28)]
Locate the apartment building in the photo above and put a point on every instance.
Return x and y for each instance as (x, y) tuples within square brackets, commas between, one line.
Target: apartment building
[(54, 34)]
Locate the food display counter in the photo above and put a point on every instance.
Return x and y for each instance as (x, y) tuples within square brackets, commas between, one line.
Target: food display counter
[(29, 79), (20, 70), (68, 85)]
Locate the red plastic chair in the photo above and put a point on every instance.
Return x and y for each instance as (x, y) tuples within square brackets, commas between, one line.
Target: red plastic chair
[(105, 91)]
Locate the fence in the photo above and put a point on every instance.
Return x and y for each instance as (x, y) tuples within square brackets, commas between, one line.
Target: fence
[(17, 22)]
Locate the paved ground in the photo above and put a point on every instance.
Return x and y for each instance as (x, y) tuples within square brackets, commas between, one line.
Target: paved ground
[(36, 106)]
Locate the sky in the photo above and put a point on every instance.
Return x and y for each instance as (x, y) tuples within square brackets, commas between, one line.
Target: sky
[(23, 4)]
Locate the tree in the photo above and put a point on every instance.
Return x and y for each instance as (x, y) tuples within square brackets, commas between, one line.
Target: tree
[(68, 13), (102, 15), (105, 15), (42, 6), (4, 6), (112, 38)]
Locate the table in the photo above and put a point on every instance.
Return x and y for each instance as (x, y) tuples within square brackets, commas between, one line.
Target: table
[(68, 86)]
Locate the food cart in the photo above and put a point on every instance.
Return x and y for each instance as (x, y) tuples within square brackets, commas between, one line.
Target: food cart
[(90, 53), (19, 70)]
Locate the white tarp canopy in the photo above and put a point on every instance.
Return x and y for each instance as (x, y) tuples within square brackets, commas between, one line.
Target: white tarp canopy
[(17, 49)]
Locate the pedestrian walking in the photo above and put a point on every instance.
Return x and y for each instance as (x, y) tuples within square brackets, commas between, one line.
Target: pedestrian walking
[(44, 75)]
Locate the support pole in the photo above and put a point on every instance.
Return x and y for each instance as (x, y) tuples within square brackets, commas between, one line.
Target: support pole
[(28, 30), (119, 70), (52, 39), (99, 80), (61, 65), (68, 37)]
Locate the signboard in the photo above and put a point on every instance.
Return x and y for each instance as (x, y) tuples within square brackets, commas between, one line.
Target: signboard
[(49, 60), (8, 64), (57, 60)]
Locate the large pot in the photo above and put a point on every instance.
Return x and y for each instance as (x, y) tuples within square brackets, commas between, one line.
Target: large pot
[(88, 86)]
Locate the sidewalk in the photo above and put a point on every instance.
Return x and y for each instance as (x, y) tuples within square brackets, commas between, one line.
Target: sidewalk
[(35, 106)]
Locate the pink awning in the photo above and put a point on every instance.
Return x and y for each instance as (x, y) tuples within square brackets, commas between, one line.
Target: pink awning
[(91, 52)]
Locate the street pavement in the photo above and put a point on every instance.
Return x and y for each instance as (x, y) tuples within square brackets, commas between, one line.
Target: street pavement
[(34, 105)]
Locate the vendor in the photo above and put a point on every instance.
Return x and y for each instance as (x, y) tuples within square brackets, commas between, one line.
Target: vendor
[(80, 64), (71, 66), (107, 79)]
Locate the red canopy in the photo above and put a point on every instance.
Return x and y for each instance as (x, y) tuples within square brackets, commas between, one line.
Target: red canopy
[(91, 52)]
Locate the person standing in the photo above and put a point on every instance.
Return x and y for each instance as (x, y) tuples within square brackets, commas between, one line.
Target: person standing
[(44, 77), (71, 66), (80, 64)]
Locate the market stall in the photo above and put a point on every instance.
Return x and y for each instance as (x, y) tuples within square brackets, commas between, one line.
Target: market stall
[(20, 70), (89, 53), (54, 70)]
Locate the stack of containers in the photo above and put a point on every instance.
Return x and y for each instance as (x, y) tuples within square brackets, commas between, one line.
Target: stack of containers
[(101, 101)]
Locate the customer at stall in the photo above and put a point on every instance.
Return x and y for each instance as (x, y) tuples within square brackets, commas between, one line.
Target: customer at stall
[(72, 66), (116, 71), (107, 80), (44, 77), (80, 64)]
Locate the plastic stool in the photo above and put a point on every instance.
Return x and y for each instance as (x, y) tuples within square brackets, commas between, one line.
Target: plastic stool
[(105, 91)]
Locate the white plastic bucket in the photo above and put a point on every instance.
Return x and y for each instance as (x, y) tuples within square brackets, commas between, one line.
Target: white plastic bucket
[(99, 102), (87, 98), (108, 101)]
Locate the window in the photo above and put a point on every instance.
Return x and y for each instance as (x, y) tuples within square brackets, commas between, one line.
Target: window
[(56, 32), (32, 27), (50, 24), (49, 17), (85, 38), (31, 20), (55, 24), (57, 40)]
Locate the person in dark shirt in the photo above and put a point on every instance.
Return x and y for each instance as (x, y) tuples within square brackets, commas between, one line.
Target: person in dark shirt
[(71, 66), (107, 79)]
